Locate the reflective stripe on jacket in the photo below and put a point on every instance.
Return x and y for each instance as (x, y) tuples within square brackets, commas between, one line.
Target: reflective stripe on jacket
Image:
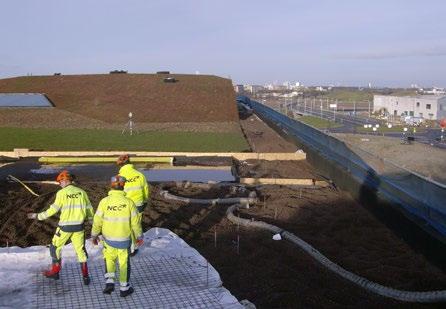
[(136, 185), (74, 207), (116, 218)]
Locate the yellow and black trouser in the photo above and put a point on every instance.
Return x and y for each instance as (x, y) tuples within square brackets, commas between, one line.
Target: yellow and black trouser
[(140, 209), (111, 254), (61, 238)]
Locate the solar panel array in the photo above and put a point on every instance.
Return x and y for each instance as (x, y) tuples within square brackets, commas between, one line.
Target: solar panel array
[(24, 100)]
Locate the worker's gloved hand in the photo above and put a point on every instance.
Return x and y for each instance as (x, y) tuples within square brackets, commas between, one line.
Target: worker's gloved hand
[(142, 207), (95, 240), (140, 241), (32, 215)]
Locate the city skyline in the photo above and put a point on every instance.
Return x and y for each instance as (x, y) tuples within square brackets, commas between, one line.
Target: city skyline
[(350, 43)]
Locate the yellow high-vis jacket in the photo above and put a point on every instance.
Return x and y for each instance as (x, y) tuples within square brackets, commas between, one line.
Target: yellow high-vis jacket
[(74, 207), (136, 186), (116, 219)]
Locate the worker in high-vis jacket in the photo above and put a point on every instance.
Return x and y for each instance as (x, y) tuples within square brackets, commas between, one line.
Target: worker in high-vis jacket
[(75, 208), (136, 189), (117, 219)]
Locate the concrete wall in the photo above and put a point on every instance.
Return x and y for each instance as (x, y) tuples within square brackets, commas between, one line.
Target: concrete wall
[(442, 108), (23, 153), (412, 106)]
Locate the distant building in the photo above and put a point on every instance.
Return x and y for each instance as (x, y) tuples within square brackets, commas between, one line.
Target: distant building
[(291, 94), (430, 107), (274, 87), (239, 88), (435, 91), (320, 88), (253, 88)]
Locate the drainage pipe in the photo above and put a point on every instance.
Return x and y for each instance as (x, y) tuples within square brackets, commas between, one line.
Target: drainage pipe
[(407, 296), (232, 200), (284, 181), (104, 160)]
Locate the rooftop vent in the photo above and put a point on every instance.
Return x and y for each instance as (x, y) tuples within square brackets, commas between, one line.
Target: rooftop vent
[(118, 72), (170, 80)]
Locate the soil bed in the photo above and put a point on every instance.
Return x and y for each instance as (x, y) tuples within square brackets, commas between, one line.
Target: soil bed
[(271, 274), (276, 169)]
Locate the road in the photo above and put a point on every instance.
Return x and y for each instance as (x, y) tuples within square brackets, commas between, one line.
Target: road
[(351, 122)]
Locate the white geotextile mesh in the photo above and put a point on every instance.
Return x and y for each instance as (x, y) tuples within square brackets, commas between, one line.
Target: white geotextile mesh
[(166, 273)]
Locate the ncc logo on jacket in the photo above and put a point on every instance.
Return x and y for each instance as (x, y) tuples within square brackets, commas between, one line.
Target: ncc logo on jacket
[(133, 179), (116, 208), (74, 195)]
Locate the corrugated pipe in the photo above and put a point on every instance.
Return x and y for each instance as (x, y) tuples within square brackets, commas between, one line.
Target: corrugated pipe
[(407, 296), (231, 200)]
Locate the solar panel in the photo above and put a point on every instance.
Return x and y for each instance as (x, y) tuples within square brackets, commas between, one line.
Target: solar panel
[(24, 100)]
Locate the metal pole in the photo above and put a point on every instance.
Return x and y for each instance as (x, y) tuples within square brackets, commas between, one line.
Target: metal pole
[(321, 108), (369, 107), (215, 237), (334, 111), (238, 244)]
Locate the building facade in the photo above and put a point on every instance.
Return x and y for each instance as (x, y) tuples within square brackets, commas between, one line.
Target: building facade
[(238, 88), (429, 107), (253, 88)]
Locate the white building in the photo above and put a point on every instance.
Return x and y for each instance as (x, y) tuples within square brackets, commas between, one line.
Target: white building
[(253, 88), (435, 91), (238, 88), (320, 88), (291, 94), (273, 87), (430, 107)]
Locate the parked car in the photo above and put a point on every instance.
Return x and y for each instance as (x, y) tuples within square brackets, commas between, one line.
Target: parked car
[(413, 121)]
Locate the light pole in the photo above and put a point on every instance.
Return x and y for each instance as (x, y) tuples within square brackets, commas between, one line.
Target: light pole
[(405, 139)]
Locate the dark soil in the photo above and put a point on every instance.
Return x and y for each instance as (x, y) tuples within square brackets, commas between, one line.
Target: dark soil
[(262, 138), (276, 169), (271, 274), (268, 273)]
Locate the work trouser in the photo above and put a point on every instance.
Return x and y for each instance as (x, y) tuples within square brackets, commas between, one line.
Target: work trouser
[(60, 239), (132, 236), (112, 254)]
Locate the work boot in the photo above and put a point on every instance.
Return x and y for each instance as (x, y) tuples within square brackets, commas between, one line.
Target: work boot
[(134, 252), (109, 288), (53, 273), (85, 276), (126, 292)]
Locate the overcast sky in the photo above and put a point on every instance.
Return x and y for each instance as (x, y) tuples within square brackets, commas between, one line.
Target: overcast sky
[(347, 42)]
